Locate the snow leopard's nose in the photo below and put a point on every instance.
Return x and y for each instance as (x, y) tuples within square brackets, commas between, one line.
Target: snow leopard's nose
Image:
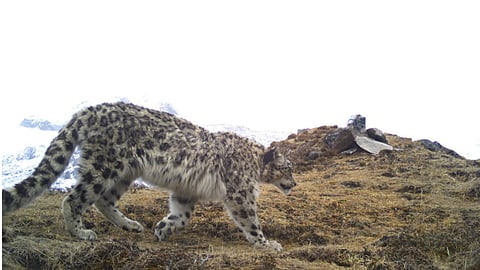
[(289, 186)]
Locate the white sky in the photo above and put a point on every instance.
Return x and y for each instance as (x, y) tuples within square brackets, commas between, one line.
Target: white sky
[(411, 67)]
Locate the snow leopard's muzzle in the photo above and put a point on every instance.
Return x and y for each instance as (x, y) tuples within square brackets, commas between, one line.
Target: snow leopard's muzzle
[(285, 182)]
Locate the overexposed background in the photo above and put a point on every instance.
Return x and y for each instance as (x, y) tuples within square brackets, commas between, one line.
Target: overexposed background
[(411, 67)]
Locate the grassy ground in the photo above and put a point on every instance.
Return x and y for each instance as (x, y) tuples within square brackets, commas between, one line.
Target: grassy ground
[(408, 209)]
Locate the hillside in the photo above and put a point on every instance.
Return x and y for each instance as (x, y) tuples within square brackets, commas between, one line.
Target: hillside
[(412, 208)]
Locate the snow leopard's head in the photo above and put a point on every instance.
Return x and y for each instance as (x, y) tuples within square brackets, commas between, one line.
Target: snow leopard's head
[(278, 170)]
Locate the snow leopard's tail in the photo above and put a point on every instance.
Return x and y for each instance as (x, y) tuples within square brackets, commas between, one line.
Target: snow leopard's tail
[(50, 168)]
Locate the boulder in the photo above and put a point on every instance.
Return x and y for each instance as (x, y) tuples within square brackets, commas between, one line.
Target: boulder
[(437, 147), (339, 140), (357, 122), (377, 135), (370, 145)]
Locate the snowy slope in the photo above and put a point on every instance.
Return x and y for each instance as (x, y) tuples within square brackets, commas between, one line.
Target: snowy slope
[(21, 160)]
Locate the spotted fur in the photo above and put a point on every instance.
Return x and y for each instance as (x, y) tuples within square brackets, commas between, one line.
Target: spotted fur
[(121, 142)]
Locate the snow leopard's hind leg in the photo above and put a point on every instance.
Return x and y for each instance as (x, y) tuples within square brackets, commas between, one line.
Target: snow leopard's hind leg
[(107, 205), (181, 210), (89, 189), (77, 202)]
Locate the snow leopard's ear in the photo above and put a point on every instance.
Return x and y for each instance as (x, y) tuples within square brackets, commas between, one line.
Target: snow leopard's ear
[(269, 156)]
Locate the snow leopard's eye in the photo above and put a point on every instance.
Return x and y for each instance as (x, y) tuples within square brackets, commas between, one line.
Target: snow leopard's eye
[(286, 169)]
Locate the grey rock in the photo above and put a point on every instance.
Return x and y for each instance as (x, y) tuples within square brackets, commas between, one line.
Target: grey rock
[(339, 140), (437, 147), (377, 135), (27, 154), (371, 146), (300, 130), (314, 155), (357, 122)]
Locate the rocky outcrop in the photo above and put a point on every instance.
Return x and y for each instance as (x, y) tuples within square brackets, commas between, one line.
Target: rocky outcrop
[(354, 136), (437, 147), (316, 145)]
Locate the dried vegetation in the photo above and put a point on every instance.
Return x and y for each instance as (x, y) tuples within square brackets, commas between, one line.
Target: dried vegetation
[(407, 209)]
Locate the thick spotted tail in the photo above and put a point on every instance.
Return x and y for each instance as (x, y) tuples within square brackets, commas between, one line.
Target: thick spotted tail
[(50, 168)]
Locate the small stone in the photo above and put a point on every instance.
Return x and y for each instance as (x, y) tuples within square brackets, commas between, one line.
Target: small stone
[(350, 151), (352, 184), (314, 155), (291, 136), (388, 174)]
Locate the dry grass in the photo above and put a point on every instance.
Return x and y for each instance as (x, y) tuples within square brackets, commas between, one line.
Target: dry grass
[(411, 209)]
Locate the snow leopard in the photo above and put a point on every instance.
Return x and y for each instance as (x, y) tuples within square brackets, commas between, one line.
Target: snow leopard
[(121, 142)]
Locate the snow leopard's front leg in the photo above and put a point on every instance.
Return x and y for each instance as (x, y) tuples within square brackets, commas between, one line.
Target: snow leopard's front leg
[(181, 210), (243, 210)]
